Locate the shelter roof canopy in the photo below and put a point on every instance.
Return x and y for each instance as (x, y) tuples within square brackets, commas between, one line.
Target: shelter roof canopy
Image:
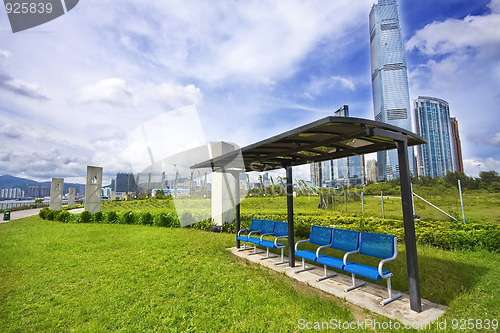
[(325, 139)]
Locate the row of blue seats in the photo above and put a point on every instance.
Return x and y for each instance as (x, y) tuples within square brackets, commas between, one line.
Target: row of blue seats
[(279, 230), (349, 241)]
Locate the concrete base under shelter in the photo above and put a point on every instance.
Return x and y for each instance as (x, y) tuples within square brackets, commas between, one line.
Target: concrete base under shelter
[(367, 297)]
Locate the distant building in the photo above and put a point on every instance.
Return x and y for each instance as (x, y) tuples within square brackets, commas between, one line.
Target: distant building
[(432, 117), (124, 179), (371, 171), (11, 193), (457, 146), (348, 172), (391, 98), (316, 174)]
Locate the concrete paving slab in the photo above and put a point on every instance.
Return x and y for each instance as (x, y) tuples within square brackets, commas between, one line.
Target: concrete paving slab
[(367, 297)]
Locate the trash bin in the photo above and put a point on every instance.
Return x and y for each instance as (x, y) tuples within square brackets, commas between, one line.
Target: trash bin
[(6, 215)]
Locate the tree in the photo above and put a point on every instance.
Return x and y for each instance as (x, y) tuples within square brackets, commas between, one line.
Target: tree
[(488, 177)]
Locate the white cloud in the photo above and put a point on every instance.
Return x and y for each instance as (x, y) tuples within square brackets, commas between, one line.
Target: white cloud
[(113, 91), (4, 54), (473, 166), (347, 83), (319, 86), (170, 95), (482, 32)]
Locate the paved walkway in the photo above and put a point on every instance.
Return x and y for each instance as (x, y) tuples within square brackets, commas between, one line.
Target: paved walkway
[(19, 214), (367, 297)]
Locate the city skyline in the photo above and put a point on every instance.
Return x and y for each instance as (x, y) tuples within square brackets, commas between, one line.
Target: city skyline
[(73, 89)]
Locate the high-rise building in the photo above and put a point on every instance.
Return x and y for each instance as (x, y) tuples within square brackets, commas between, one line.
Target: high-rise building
[(371, 171), (125, 183), (348, 172), (457, 146), (432, 117), (391, 98)]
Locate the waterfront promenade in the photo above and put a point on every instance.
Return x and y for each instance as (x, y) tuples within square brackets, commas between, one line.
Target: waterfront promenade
[(19, 214)]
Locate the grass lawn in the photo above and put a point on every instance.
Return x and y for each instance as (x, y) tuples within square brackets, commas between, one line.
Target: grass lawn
[(102, 277)]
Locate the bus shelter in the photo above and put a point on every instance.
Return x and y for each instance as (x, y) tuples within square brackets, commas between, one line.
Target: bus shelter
[(327, 139)]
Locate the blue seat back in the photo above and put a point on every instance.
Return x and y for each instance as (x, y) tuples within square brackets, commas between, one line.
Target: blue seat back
[(280, 229), (376, 245), (345, 240), (267, 227), (255, 225), (320, 235)]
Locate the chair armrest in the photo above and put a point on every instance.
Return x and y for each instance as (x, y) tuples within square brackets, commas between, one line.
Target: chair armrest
[(243, 230), (322, 247), (254, 232), (276, 240), (302, 241), (348, 254), (268, 234), (383, 261)]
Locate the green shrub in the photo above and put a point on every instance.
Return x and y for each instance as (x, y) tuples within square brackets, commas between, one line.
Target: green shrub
[(63, 216), (165, 220), (229, 228), (86, 217), (206, 224), (146, 218), (43, 213), (98, 217), (112, 217), (51, 215), (128, 218)]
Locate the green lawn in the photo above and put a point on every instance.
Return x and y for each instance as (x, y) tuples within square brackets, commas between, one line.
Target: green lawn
[(102, 277)]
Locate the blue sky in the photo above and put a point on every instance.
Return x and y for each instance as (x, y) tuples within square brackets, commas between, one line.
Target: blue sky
[(72, 90)]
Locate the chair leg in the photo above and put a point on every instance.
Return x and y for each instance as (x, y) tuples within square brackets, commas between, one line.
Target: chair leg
[(255, 250), (267, 255), (245, 247), (282, 259), (304, 268), (326, 276), (354, 285), (391, 297)]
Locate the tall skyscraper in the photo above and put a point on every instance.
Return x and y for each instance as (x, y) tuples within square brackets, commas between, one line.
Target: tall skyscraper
[(457, 146), (391, 98), (433, 123)]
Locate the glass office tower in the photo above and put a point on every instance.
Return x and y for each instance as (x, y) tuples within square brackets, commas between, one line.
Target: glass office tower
[(433, 123), (391, 99)]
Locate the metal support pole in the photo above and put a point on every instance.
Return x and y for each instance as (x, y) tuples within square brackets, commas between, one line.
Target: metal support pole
[(427, 202), (289, 204), (382, 197), (461, 200), (362, 205), (409, 226), (345, 202), (412, 201), (237, 208)]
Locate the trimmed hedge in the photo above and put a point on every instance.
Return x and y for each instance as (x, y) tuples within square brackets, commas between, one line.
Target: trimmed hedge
[(145, 218), (446, 235)]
